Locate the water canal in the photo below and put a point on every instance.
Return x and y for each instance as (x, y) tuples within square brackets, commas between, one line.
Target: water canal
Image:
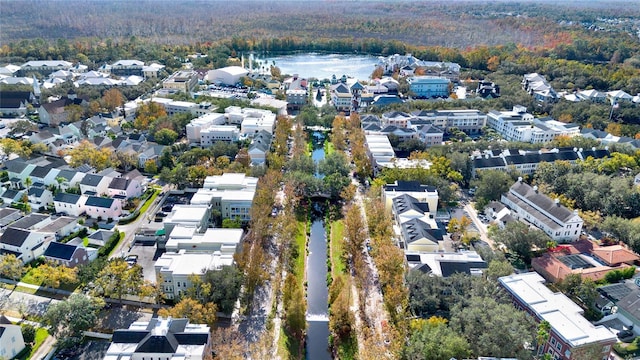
[(317, 290)]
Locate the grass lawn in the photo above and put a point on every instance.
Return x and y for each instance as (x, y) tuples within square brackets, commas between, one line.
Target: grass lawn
[(119, 241), (301, 242), (41, 336), (328, 148), (149, 201), (30, 278), (338, 267)]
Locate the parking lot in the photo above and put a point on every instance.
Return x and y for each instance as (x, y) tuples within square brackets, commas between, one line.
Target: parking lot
[(147, 256)]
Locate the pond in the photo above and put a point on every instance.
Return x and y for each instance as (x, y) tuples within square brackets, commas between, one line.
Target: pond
[(323, 66)]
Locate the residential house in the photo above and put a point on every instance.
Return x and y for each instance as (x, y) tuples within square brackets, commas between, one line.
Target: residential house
[(592, 95), (488, 89), (403, 134), (11, 339), (123, 188), (615, 255), (530, 206), (18, 170), (260, 146), (444, 264), (62, 226), (33, 221), (341, 97), (161, 338), (405, 207), (536, 85), (69, 204), (92, 184), (10, 196), (150, 152), (68, 178), (100, 237), (385, 100), (26, 245), (177, 269), (618, 96), (571, 334), (151, 71), (426, 87), (69, 255), (39, 198), (54, 113), (9, 215), (14, 103), (105, 208), (296, 92)]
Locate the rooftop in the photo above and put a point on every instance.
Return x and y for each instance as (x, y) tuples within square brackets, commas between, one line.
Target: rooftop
[(563, 314)]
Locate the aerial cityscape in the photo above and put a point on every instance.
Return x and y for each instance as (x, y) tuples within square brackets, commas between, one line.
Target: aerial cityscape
[(416, 180)]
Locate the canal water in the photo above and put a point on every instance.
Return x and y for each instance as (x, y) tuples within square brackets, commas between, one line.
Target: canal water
[(317, 291)]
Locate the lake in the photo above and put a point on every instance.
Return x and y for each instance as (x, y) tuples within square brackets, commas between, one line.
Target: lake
[(323, 66)]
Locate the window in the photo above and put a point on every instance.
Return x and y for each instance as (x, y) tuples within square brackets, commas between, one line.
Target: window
[(559, 346)]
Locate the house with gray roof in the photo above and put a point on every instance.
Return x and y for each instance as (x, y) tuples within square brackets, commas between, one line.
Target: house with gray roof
[(419, 237), (62, 226), (26, 245), (260, 145), (9, 215), (102, 207), (123, 188), (69, 204), (93, 184), (11, 339), (530, 206)]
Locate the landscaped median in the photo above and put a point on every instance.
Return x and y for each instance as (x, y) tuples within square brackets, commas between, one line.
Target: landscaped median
[(151, 195)]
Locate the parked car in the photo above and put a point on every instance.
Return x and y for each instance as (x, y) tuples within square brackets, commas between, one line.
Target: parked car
[(131, 260)]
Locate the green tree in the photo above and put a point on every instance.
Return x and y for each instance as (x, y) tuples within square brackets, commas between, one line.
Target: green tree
[(69, 318), (165, 136), (498, 268), (52, 276), (435, 341), (490, 185), (521, 239), (225, 287), (28, 333), (492, 328)]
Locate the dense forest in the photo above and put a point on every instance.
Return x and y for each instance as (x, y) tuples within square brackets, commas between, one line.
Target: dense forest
[(457, 24)]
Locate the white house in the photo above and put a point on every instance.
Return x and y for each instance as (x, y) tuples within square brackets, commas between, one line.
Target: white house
[(518, 125), (161, 338), (124, 188), (70, 204), (260, 145), (175, 269), (39, 197), (105, 208), (95, 184), (24, 244), (11, 340), (527, 204)]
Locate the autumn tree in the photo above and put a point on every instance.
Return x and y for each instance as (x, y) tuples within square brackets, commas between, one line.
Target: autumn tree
[(195, 311), (52, 276), (88, 153), (112, 99), (118, 279), (148, 114), (11, 267)]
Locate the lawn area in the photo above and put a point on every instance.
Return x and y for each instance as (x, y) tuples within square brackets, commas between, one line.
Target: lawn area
[(338, 267), (30, 278), (301, 242), (41, 336), (328, 148), (118, 243), (625, 350), (149, 201)]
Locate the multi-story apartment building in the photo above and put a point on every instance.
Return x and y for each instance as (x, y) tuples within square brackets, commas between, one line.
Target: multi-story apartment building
[(469, 121), (425, 87), (572, 337), (529, 205), (518, 125), (185, 81)]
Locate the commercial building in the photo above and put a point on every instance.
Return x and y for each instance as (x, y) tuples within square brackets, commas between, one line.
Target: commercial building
[(572, 337), (230, 75), (197, 126), (426, 87), (184, 80), (520, 126)]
